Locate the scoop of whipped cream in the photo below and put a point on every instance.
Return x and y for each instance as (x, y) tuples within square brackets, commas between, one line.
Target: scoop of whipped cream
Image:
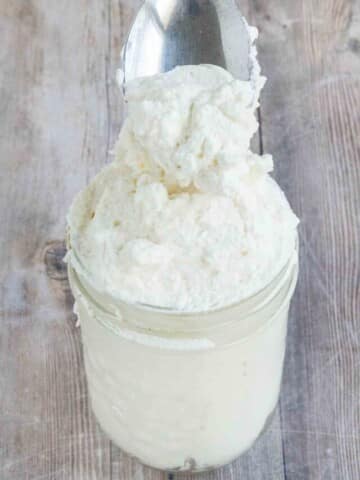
[(186, 217)]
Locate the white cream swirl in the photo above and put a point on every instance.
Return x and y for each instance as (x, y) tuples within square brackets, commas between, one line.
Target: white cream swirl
[(186, 217)]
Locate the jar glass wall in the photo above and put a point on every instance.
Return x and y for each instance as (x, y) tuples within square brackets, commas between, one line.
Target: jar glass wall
[(185, 392)]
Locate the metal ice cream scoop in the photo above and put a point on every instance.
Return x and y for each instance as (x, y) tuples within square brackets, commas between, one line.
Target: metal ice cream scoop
[(167, 33)]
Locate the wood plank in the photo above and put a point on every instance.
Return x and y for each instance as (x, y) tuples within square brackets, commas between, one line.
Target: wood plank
[(53, 126), (60, 113), (310, 122)]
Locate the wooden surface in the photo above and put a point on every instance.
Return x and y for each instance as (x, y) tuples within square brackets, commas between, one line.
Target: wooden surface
[(59, 114)]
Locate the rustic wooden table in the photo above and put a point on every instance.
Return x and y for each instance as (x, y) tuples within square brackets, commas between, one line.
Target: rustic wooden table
[(59, 115)]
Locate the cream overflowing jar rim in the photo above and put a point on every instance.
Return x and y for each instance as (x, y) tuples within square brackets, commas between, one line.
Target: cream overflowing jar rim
[(116, 314)]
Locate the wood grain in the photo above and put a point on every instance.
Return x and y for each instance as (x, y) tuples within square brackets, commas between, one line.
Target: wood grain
[(310, 122), (60, 113)]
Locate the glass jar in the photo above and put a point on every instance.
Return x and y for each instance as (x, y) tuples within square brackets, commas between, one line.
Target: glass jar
[(185, 392)]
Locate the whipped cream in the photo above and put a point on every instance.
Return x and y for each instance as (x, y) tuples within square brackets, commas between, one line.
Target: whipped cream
[(186, 217)]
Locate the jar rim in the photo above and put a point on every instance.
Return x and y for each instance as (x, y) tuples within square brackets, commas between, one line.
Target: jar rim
[(148, 308), (205, 337), (152, 321)]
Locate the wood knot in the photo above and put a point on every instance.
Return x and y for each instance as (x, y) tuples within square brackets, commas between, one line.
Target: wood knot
[(53, 258), (354, 45)]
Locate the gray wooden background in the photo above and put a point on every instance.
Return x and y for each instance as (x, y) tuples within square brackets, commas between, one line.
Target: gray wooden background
[(59, 115)]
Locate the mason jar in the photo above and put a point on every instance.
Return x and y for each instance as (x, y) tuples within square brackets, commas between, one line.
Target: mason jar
[(183, 391)]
